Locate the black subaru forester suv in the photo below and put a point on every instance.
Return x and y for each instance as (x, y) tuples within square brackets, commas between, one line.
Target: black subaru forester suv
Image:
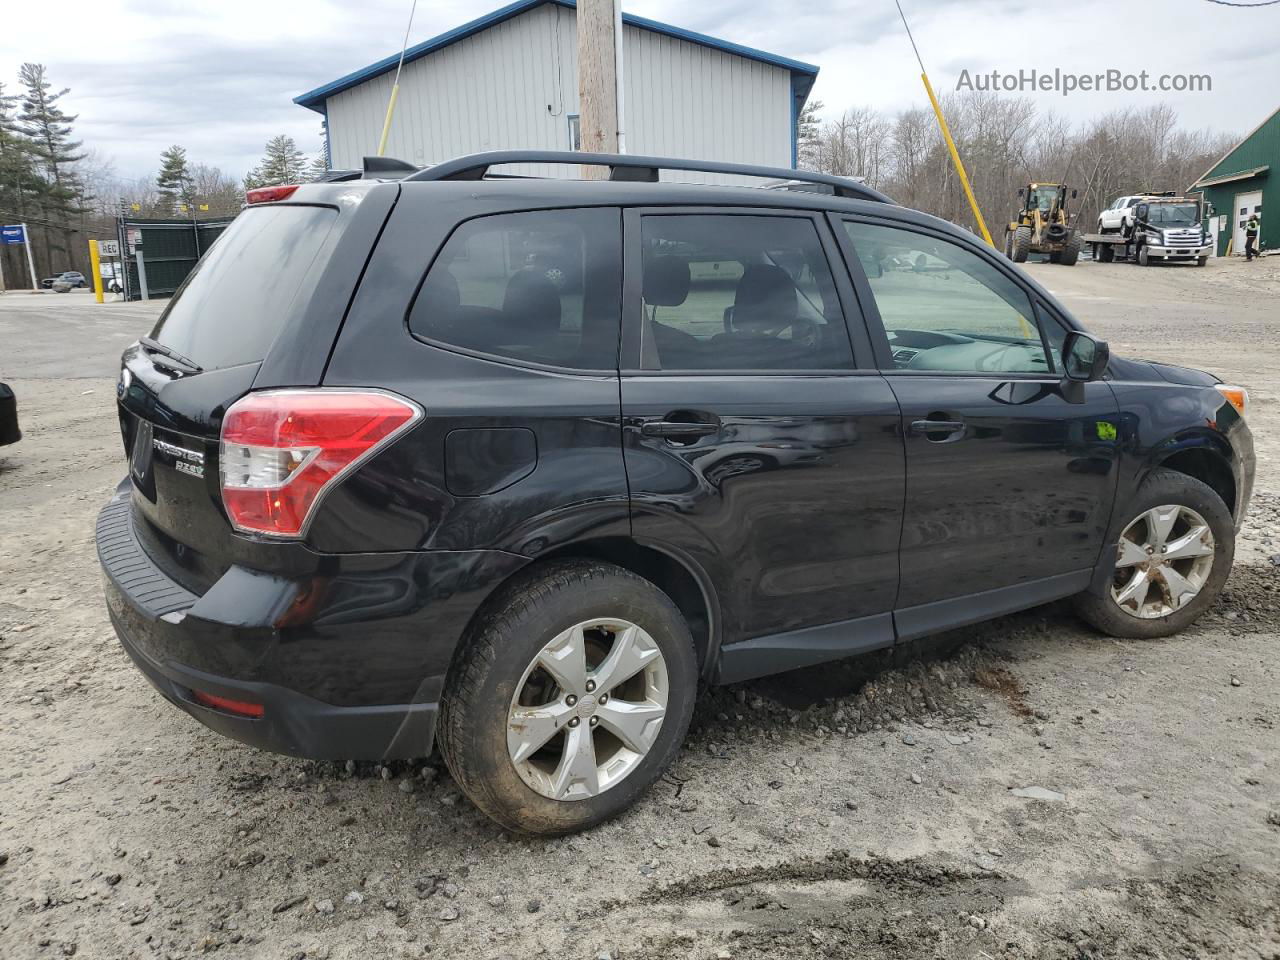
[(516, 464)]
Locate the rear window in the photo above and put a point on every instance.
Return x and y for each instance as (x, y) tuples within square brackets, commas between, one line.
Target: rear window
[(235, 302)]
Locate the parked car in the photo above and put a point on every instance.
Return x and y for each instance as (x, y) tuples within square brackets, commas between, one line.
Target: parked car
[(72, 278), (401, 488), (9, 432)]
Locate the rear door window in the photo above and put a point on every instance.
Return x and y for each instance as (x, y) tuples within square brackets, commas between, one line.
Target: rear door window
[(737, 292), (234, 304), (541, 287)]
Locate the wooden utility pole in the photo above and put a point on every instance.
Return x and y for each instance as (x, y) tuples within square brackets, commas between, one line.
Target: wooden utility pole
[(598, 48)]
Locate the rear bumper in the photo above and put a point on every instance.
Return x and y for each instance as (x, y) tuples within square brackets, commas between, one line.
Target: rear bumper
[(349, 664), (292, 723)]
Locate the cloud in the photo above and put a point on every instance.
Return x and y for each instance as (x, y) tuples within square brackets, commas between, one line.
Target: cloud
[(220, 78)]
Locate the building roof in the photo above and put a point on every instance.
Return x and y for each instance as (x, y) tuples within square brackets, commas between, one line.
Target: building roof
[(802, 74), (1207, 179)]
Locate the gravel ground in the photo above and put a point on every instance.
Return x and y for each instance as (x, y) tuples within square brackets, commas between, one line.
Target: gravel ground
[(873, 808)]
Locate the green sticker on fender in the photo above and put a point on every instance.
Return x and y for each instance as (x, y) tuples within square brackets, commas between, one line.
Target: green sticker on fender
[(1106, 431)]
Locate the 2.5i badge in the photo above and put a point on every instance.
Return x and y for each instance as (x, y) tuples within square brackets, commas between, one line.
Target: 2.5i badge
[(186, 461)]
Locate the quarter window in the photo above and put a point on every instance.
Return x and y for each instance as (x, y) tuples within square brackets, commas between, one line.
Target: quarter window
[(540, 287), (945, 308), (725, 292)]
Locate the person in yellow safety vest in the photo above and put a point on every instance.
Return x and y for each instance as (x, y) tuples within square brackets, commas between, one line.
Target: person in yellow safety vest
[(1251, 238)]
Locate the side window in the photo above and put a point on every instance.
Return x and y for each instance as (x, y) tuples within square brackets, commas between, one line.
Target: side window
[(726, 292), (945, 308), (541, 287)]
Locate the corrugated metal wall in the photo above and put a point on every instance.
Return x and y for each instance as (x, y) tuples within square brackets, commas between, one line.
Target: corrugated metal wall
[(515, 84)]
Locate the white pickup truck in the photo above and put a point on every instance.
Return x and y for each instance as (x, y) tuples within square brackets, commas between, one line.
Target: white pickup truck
[(1118, 218)]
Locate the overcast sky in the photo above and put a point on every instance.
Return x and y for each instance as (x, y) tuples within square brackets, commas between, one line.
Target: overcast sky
[(219, 78)]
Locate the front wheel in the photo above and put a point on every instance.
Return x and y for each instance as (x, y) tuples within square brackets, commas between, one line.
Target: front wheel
[(1021, 244), (569, 699), (1071, 250), (1175, 544)]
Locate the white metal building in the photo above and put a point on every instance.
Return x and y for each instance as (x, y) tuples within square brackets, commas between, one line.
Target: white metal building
[(509, 80)]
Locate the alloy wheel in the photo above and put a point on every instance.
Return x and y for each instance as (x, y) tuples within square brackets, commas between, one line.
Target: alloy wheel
[(1163, 560), (588, 709)]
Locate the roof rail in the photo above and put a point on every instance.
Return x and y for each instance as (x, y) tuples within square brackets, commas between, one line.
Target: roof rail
[(629, 167)]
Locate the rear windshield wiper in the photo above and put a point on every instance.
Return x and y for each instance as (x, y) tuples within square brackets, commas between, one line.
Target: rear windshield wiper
[(155, 346)]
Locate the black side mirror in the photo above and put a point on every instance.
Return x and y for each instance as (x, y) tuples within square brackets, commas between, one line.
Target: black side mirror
[(1084, 357), (1022, 191)]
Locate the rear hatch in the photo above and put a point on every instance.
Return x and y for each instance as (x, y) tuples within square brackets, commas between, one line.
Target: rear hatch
[(253, 295)]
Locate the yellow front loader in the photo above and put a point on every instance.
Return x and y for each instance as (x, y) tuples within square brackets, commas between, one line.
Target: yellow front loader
[(1043, 225)]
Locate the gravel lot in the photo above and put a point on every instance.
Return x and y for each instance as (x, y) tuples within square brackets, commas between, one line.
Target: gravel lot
[(865, 809)]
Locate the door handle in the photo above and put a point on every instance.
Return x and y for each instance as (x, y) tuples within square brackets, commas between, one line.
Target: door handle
[(677, 428), (952, 429)]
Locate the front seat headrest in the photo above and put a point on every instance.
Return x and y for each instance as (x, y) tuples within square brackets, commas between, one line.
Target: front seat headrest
[(765, 297), (666, 281)]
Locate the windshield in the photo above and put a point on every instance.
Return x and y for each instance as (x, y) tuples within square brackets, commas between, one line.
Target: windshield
[(1173, 214), (235, 302), (1044, 197)]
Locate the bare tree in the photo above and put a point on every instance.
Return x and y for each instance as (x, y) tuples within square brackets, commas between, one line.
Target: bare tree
[(1006, 143)]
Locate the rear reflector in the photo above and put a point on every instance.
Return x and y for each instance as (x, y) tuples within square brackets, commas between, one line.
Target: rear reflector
[(241, 708), (270, 194), (282, 450)]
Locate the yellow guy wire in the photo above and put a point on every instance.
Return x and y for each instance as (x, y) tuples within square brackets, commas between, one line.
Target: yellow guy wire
[(395, 86), (946, 134)]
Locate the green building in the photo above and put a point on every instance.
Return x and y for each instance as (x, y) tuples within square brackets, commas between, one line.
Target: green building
[(1238, 184)]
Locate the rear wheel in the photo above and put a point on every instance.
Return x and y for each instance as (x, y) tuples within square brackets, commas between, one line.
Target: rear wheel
[(1175, 545), (1008, 243), (1021, 244), (570, 699), (1106, 252)]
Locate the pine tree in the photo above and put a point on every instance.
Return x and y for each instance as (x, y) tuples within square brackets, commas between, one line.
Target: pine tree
[(808, 135), (283, 163), (318, 168), (174, 181), (47, 129)]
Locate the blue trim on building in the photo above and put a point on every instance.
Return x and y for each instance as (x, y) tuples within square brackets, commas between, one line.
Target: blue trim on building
[(802, 74)]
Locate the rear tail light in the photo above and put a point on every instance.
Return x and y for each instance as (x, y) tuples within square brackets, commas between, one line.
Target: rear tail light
[(270, 194), (283, 450), (1238, 397)]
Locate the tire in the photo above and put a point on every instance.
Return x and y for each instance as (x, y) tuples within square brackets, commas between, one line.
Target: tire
[(1124, 227), (1055, 256), (500, 660), (1008, 243), (1099, 607), (1202, 261), (1106, 253), (1021, 244), (1071, 250), (1143, 259)]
